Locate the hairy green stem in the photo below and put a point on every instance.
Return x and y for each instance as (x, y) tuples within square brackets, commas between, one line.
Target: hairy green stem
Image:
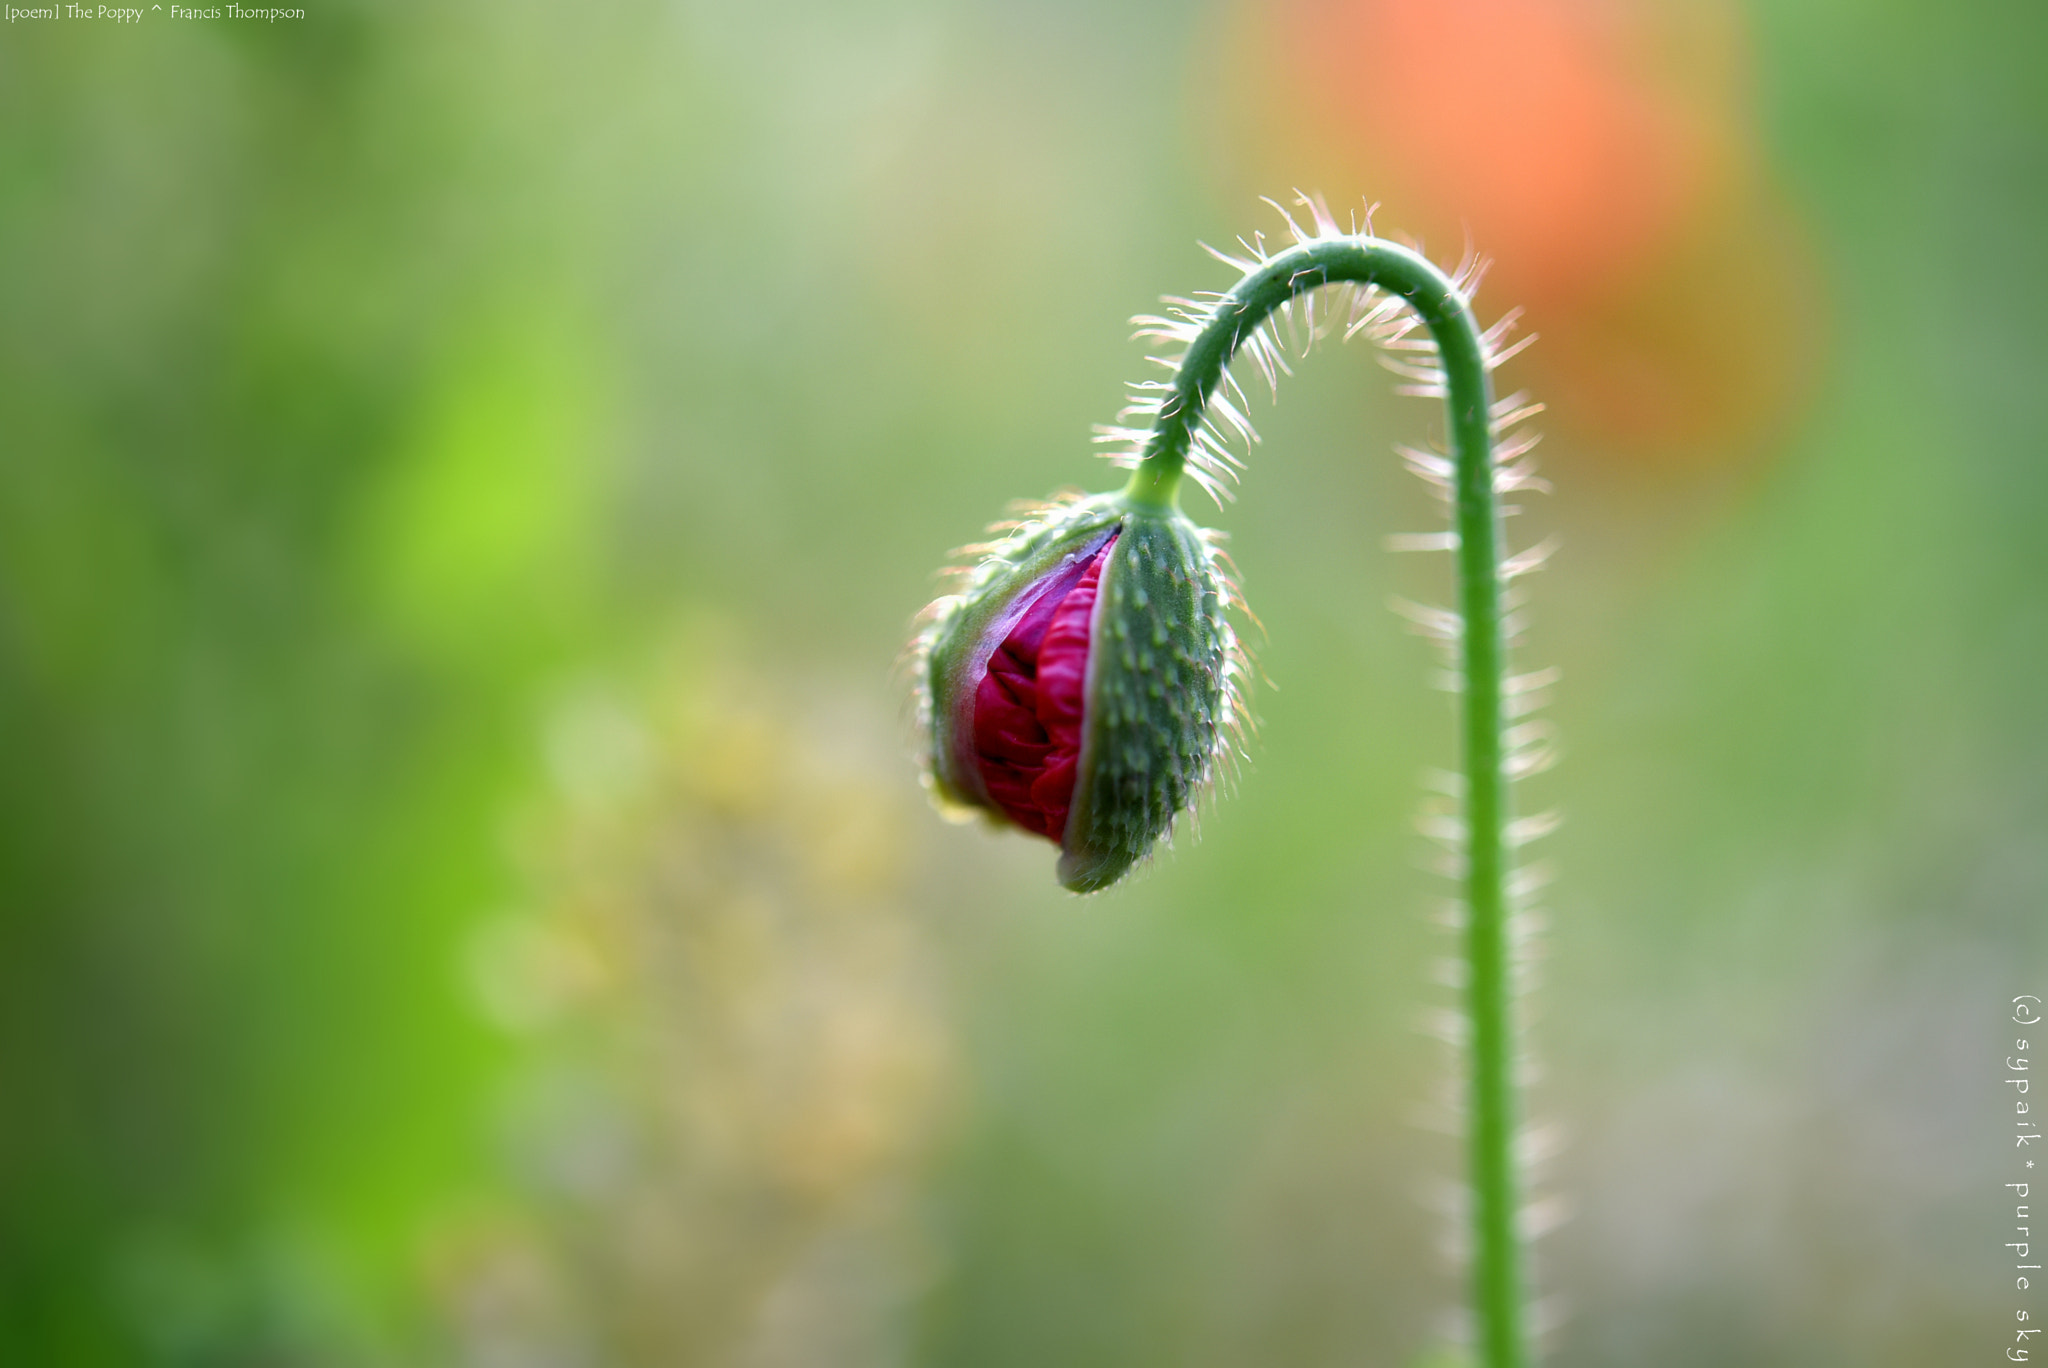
[(1497, 1292)]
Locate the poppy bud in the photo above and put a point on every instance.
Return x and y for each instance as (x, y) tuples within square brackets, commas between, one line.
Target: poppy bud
[(1081, 685)]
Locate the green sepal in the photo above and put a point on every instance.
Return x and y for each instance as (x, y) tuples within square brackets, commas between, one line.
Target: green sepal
[(1158, 694)]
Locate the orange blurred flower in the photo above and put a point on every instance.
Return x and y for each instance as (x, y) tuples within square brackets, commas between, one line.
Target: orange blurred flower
[(1596, 149)]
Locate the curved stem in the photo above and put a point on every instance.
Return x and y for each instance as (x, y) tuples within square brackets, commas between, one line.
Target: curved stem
[(1497, 1271)]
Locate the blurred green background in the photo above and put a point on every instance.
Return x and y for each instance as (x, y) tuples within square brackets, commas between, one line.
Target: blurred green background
[(466, 471)]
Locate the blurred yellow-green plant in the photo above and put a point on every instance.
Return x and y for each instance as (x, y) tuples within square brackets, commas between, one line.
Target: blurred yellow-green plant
[(738, 1054)]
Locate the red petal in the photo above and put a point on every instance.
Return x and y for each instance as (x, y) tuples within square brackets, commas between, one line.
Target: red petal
[(1006, 725), (1063, 662), (1030, 707)]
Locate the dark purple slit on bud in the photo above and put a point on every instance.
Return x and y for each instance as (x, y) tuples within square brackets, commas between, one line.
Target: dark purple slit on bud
[(1028, 708)]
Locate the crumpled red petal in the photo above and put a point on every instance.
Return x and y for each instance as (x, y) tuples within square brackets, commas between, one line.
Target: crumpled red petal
[(1029, 707)]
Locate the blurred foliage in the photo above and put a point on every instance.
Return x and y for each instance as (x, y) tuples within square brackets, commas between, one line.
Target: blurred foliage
[(465, 471), (738, 1054)]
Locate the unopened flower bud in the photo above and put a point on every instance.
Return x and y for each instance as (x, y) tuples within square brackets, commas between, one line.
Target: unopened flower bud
[(1080, 688)]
